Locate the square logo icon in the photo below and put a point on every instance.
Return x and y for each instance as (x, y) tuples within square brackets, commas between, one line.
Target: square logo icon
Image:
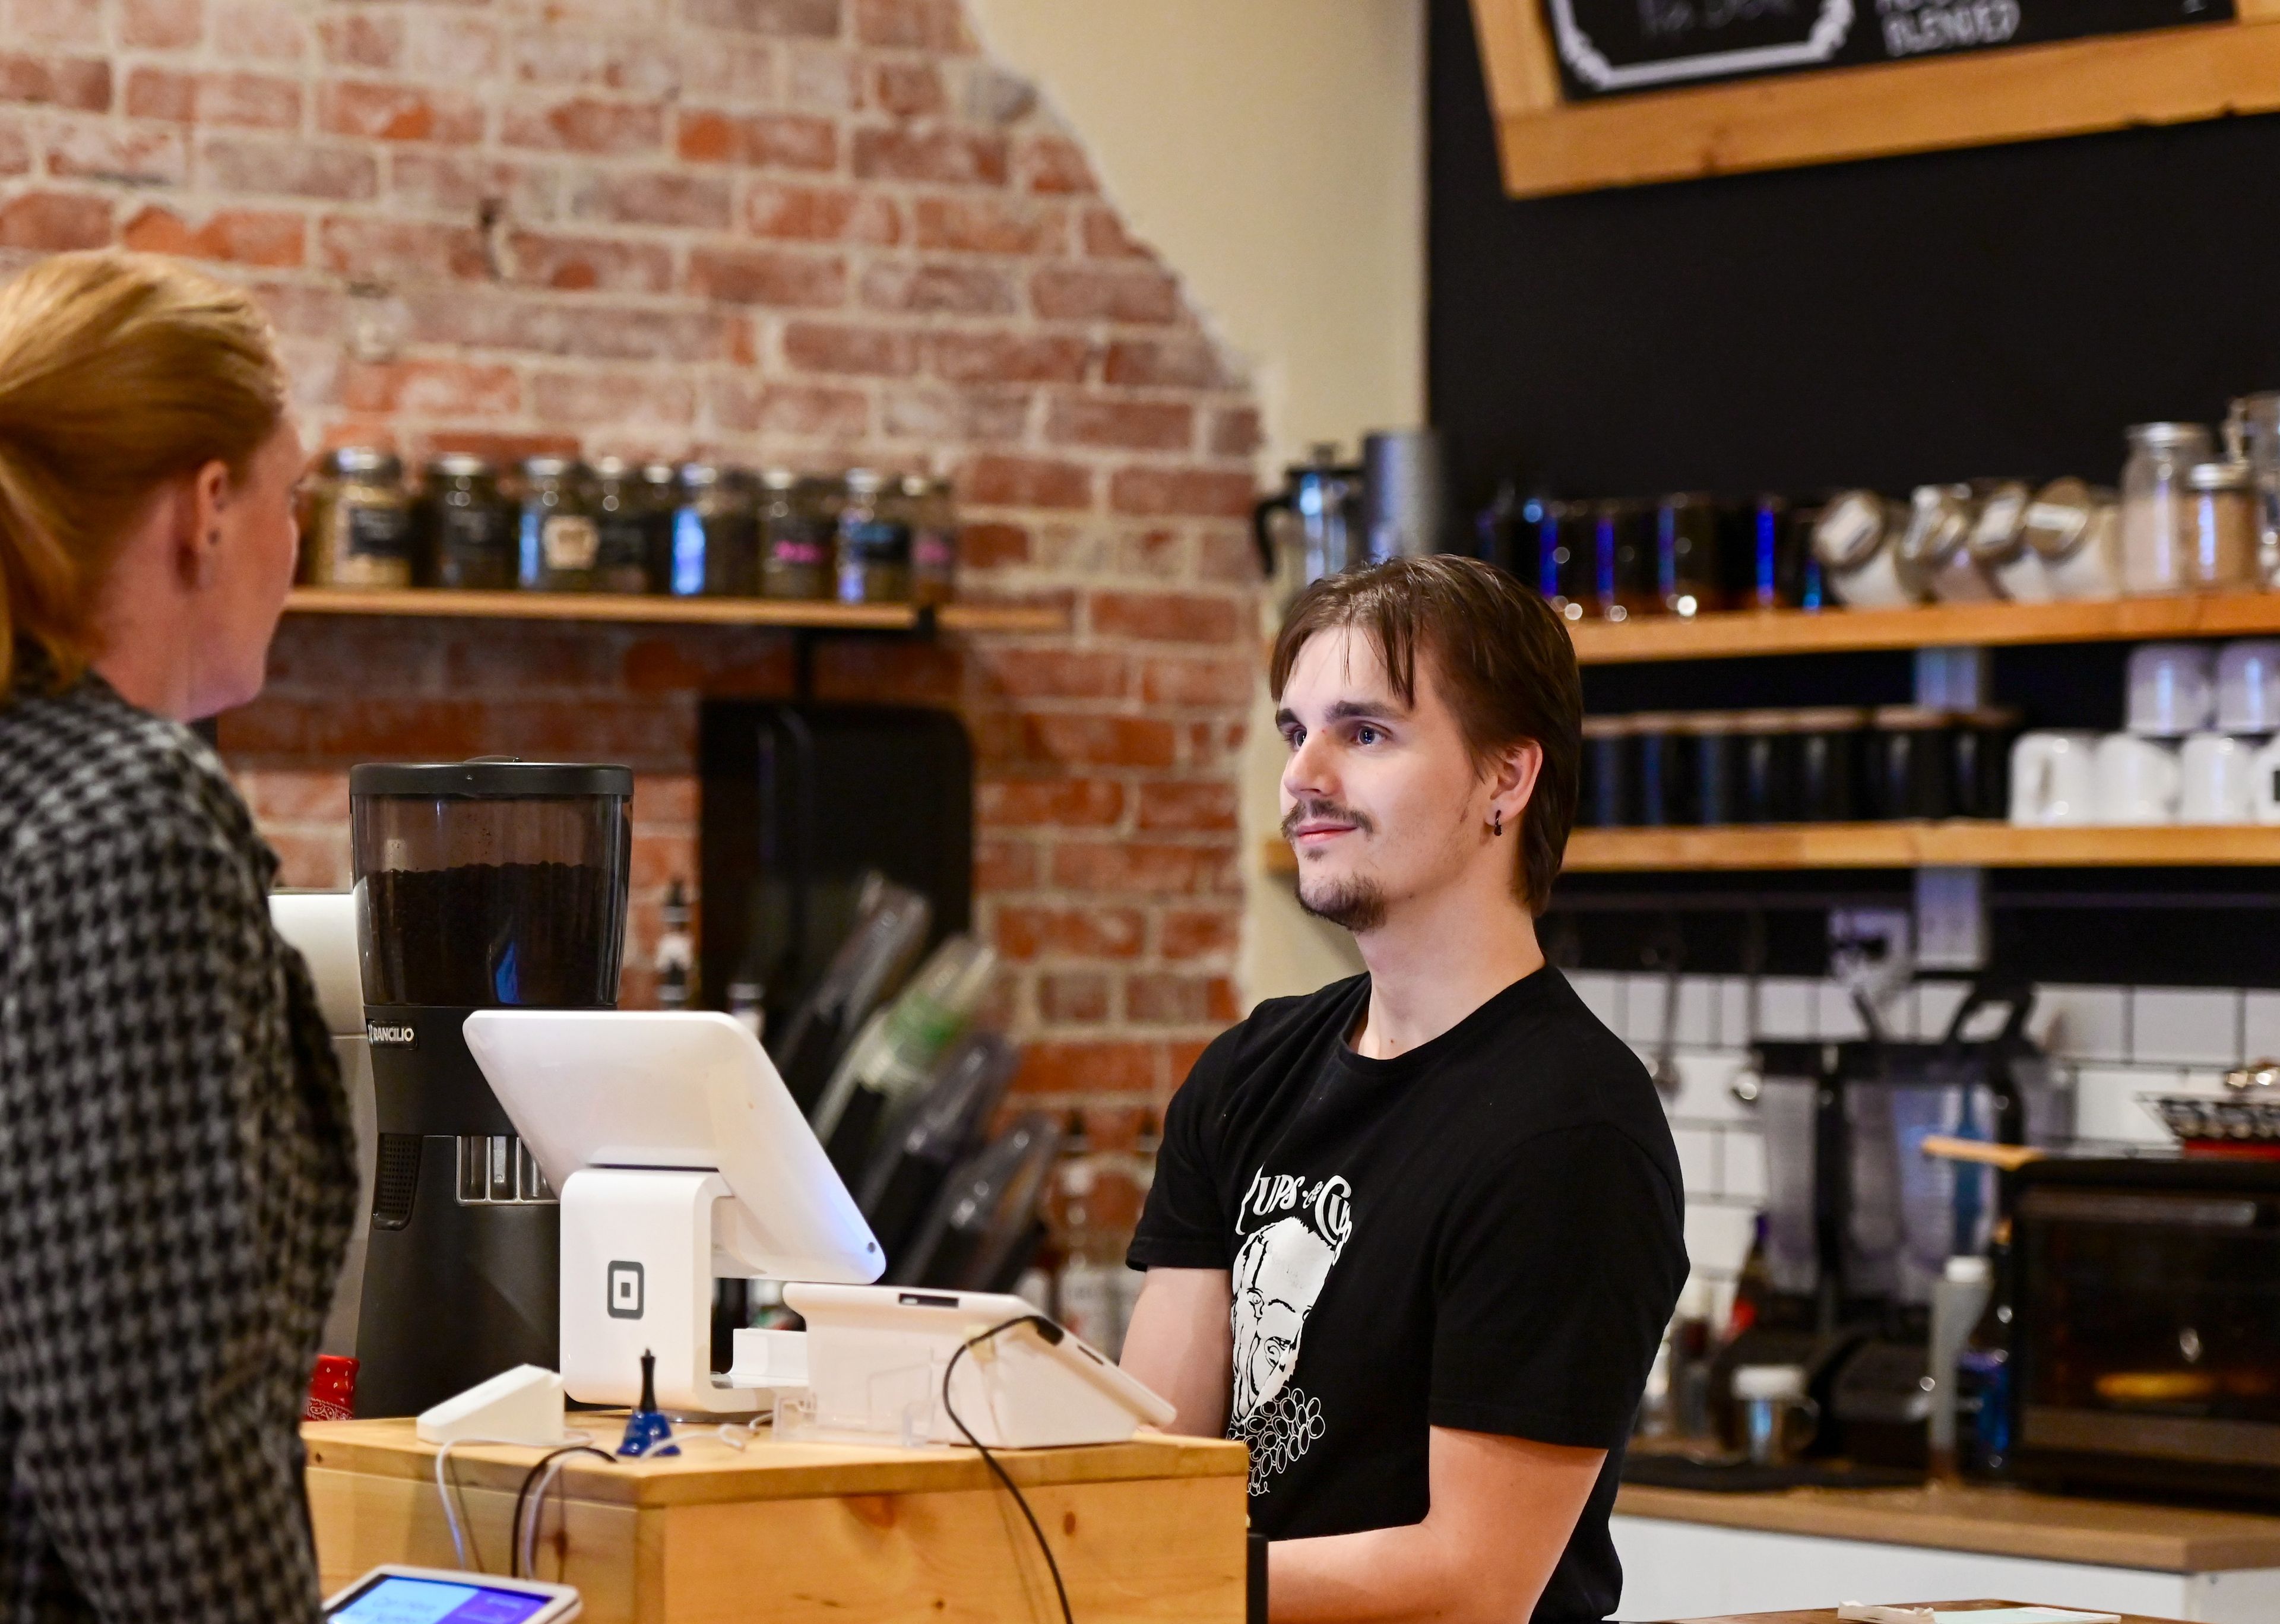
[(626, 1290)]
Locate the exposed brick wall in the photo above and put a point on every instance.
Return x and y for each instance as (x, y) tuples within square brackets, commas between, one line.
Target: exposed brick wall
[(811, 231)]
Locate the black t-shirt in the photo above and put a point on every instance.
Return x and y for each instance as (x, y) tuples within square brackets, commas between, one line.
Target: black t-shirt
[(1485, 1233)]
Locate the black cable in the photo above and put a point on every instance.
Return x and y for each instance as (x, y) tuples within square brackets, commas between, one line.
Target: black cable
[(522, 1494), (1052, 1334)]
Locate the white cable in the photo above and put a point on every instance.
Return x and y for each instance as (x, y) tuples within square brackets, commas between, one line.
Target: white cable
[(443, 1490)]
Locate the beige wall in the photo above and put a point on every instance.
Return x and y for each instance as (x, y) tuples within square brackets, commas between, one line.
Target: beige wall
[(1273, 151)]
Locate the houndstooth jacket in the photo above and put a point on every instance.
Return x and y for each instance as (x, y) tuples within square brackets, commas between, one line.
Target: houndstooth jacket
[(176, 1180)]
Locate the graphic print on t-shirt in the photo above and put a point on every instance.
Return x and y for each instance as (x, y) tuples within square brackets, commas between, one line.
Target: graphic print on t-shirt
[(1293, 1232)]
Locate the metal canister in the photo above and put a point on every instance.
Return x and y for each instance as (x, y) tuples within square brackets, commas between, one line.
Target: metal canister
[(1857, 539), (360, 529), (874, 543), (796, 536), (1998, 539), (2075, 532), (934, 539), (621, 527), (1935, 551), (463, 530), (557, 541)]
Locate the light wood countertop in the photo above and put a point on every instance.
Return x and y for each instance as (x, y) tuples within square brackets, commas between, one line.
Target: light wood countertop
[(1827, 1615), (1996, 1522)]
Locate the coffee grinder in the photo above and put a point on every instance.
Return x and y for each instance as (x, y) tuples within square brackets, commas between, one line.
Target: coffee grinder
[(482, 884)]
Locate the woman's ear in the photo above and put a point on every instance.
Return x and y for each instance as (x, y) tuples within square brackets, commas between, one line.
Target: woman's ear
[(199, 510)]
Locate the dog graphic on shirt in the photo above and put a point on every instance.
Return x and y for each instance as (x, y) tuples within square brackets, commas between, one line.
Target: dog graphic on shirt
[(1278, 1275)]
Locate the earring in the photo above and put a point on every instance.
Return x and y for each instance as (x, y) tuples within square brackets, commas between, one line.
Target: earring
[(1499, 821)]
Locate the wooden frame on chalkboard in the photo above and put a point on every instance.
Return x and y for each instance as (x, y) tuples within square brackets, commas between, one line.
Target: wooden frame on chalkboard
[(2024, 93)]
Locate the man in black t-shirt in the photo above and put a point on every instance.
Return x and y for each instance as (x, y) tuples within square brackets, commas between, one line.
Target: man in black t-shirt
[(1415, 1238)]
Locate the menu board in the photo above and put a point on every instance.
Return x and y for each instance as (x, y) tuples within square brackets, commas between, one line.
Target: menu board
[(1613, 47)]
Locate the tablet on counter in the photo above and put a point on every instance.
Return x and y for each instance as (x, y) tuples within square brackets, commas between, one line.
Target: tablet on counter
[(392, 1595)]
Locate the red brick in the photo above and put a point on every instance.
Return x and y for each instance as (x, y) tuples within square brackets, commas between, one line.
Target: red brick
[(15, 148), (1205, 493), (768, 276), (247, 101), (908, 89), (1199, 933), (1009, 357), (287, 168), (581, 264), (833, 347), (161, 25), (967, 417), (51, 221), (677, 662), (1025, 482), (1105, 238), (759, 141), (1025, 932), (400, 112), (360, 38), (259, 30), (913, 25), (1164, 617), (492, 318), (1165, 364), (502, 449), (822, 214), (1153, 868), (1056, 164), (1226, 554), (1066, 1069), (1073, 998), (644, 64), (1102, 741), (1003, 865), (663, 798), (989, 225), (586, 124), (612, 397), (944, 156), (289, 795), (714, 65), (1048, 673), (398, 250), (438, 45), (1162, 997), (1128, 425), (939, 288), (745, 405), (810, 19), (61, 22), (247, 236), (991, 546), (137, 155), (1204, 806), (1198, 681), (83, 83), (1104, 293), (430, 389), (1063, 802), (1234, 432), (315, 859), (655, 198)]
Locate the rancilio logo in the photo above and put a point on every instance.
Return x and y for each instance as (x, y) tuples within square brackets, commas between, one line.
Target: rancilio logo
[(391, 1035)]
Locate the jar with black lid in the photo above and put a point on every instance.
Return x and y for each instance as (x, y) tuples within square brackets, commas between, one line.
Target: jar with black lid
[(660, 500), (560, 544), (796, 536), (621, 527), (874, 543), (716, 546), (934, 539), (359, 533), (464, 534)]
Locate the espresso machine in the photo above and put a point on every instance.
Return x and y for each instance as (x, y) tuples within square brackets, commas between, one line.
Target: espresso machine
[(483, 884)]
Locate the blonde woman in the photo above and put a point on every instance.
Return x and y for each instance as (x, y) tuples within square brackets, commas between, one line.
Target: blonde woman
[(175, 1173)]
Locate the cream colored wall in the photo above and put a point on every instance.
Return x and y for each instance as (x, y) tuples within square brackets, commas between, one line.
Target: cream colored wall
[(1273, 153)]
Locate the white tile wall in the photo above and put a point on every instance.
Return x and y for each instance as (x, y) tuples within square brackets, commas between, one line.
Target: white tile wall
[(2188, 1026)]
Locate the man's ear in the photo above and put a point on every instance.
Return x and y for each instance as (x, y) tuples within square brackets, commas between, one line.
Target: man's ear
[(1513, 775)]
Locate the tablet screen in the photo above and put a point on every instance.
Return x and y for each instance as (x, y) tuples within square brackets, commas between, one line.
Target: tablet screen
[(394, 1599)]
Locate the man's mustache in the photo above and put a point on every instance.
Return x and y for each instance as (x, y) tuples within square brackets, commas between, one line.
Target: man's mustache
[(1324, 812)]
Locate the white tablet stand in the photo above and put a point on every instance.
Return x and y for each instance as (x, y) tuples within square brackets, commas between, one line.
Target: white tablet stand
[(679, 1158)]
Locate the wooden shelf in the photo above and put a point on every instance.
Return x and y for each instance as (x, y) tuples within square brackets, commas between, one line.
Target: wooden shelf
[(674, 610), (1897, 846), (1792, 631)]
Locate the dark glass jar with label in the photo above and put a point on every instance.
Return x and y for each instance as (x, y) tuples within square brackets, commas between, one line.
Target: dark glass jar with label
[(660, 501), (621, 527), (359, 530), (874, 542), (557, 544), (463, 536), (934, 539), (796, 536), (1687, 582), (716, 547)]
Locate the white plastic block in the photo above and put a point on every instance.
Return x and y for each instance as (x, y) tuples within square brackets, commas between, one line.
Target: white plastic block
[(522, 1405)]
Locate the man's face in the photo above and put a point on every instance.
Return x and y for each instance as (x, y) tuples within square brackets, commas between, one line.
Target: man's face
[(1381, 800)]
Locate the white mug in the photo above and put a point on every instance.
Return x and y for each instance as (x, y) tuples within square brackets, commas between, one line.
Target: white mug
[(2054, 780), (2248, 686), (2138, 780), (2172, 689), (2264, 774), (2220, 778)]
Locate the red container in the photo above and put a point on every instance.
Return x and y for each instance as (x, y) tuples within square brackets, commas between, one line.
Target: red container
[(332, 1389)]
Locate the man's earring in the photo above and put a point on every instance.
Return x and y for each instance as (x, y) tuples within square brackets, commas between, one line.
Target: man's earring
[(1499, 821)]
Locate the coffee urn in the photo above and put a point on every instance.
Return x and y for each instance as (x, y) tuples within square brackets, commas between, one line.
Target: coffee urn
[(479, 885)]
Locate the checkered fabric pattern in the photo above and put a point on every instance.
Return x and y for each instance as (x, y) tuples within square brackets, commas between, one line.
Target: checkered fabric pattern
[(177, 1182)]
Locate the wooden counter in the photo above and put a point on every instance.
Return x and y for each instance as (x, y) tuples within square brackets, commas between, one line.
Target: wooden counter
[(1149, 1530), (1827, 1615), (1997, 1521)]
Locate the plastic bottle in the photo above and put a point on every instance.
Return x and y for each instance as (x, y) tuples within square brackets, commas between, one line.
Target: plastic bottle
[(676, 951), (1088, 1298)]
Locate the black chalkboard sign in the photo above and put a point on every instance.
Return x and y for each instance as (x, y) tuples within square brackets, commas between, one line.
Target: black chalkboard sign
[(1615, 47)]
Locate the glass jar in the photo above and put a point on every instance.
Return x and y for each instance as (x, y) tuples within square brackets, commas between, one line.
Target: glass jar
[(716, 547), (359, 530), (1686, 574), (2252, 437), (796, 536), (934, 539), (1857, 539), (1998, 538), (1565, 544), (2075, 532), (2223, 554), (558, 542), (1623, 581), (621, 527), (874, 543), (463, 536), (2157, 508), (660, 499), (1935, 551)]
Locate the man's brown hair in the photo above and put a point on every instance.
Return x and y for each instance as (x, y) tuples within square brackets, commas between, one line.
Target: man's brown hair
[(1506, 668)]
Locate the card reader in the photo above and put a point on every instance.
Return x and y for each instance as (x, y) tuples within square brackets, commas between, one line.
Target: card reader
[(393, 1595)]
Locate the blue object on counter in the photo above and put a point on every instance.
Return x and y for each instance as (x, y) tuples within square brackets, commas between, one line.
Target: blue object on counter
[(647, 1431)]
